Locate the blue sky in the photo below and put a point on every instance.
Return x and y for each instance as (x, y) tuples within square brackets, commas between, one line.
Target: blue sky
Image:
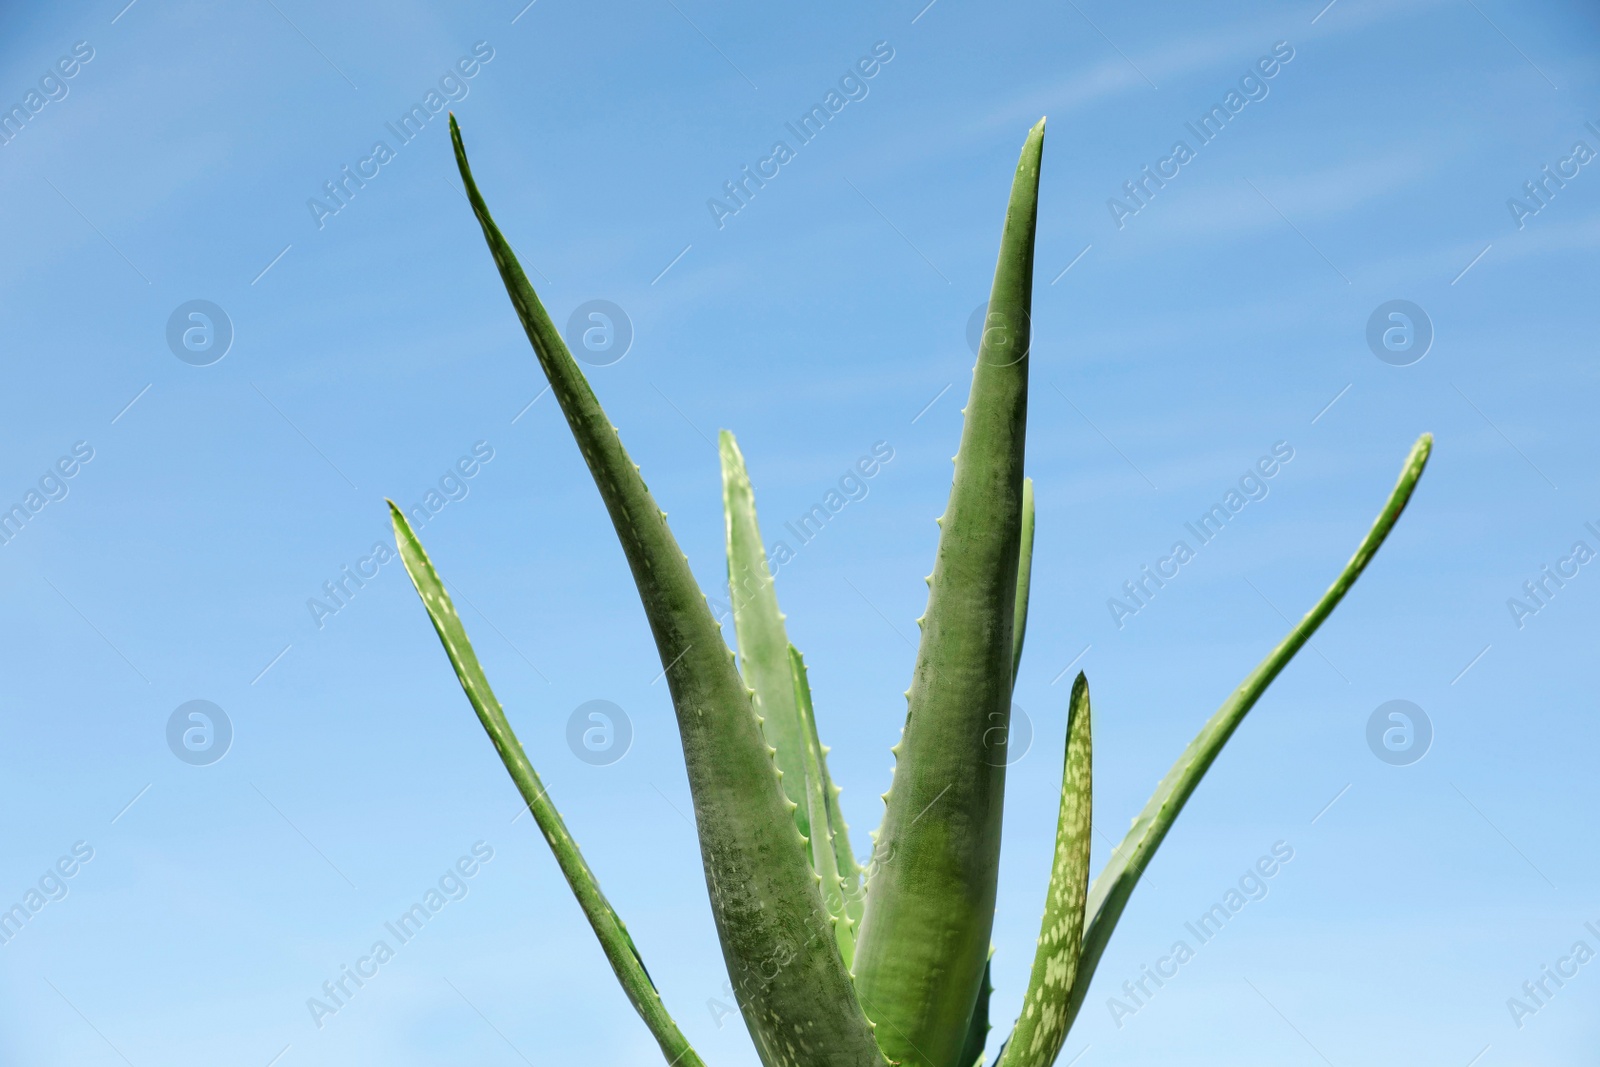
[(373, 350)]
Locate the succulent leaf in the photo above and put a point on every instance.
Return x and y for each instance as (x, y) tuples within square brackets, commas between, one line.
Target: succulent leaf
[(618, 946), (924, 937), (819, 801), (978, 1029), (758, 624), (1019, 617), (1041, 1029), (776, 672), (1114, 885), (777, 937), (849, 867)]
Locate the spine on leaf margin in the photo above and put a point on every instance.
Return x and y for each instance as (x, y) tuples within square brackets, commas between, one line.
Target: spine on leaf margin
[(777, 938)]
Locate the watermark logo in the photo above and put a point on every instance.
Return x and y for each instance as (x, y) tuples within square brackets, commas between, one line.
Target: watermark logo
[(851, 87), (452, 87), (452, 885), (199, 332), (851, 487), (1538, 192), (51, 487), (1004, 743), (199, 733), (1399, 332), (454, 484), (599, 333), (1399, 733), (986, 329), (1537, 992), (1551, 579), (1140, 191), (1252, 885), (51, 887), (599, 733), (1140, 591), (52, 87)]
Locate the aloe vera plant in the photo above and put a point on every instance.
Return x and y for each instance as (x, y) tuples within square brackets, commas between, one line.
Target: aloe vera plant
[(832, 963)]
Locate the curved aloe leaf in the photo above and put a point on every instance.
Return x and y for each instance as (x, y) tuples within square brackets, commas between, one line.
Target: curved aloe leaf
[(1019, 617), (614, 940), (1114, 885), (1041, 1029), (924, 937), (758, 625), (777, 938)]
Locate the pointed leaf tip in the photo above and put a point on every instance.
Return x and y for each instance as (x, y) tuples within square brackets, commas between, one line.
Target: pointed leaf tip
[(924, 936)]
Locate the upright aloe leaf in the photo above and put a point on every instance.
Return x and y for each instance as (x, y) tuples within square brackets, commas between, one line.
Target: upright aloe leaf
[(824, 857), (614, 940), (1114, 885), (1019, 616), (777, 938), (849, 867), (845, 863), (1041, 1029), (776, 672), (758, 624), (978, 1029), (924, 937)]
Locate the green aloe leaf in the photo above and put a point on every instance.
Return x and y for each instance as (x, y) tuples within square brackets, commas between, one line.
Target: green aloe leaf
[(1114, 885), (1041, 1029), (776, 672), (758, 624), (924, 937), (978, 1029), (777, 937), (821, 800), (1019, 617), (614, 940), (845, 864), (849, 867)]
